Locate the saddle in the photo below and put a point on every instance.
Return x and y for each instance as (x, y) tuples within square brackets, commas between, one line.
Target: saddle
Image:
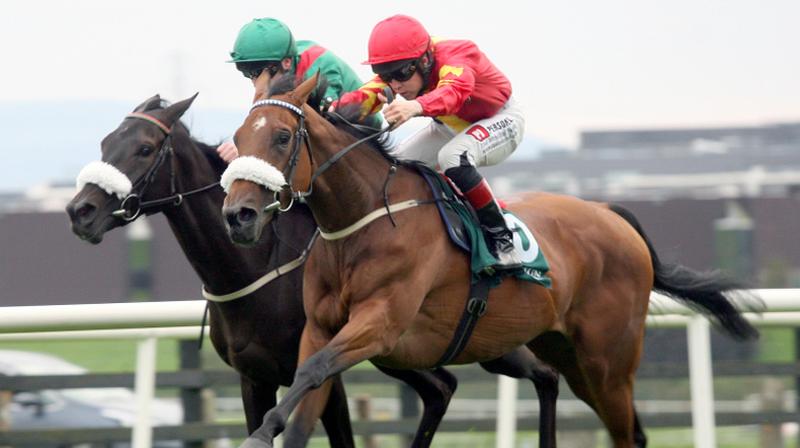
[(463, 228)]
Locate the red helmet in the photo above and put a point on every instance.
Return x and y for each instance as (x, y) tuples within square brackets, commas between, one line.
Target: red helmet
[(396, 38)]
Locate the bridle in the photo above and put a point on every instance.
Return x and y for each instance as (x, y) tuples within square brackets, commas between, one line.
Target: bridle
[(301, 135), (132, 205), (261, 172)]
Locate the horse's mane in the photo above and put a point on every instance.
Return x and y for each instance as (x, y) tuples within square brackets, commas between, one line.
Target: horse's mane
[(343, 119), (209, 151)]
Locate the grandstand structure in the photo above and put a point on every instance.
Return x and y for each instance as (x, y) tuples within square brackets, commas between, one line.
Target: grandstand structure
[(687, 185), (737, 186)]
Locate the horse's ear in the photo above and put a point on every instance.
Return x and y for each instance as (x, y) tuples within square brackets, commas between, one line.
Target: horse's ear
[(173, 113), (150, 103), (303, 91), (261, 85)]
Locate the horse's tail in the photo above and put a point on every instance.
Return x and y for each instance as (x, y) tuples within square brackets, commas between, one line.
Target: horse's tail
[(711, 293)]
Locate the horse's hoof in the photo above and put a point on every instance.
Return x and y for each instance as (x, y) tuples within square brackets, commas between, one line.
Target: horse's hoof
[(255, 443)]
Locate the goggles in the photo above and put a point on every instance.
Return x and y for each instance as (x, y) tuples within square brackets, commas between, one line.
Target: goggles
[(254, 70), (401, 74)]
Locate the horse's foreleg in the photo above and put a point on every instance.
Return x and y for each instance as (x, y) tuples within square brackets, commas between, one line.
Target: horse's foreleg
[(310, 409), (435, 387), (257, 398), (369, 332), (521, 363), (336, 416), (639, 437), (330, 405), (310, 375)]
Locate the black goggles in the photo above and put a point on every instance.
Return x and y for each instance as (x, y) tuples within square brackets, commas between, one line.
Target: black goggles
[(253, 71), (401, 74)]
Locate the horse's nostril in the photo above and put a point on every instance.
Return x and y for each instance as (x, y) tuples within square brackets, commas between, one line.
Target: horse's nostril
[(242, 216), (246, 215), (81, 212), (84, 210)]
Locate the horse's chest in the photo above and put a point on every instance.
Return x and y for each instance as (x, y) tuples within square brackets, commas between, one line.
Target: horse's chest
[(259, 352), (261, 365), (331, 312)]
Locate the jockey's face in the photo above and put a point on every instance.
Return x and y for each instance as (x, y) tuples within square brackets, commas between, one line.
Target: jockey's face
[(273, 68), (408, 89)]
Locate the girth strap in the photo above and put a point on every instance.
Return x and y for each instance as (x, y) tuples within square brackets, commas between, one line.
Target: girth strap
[(475, 308)]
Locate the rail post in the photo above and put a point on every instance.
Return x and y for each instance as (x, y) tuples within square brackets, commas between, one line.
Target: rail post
[(364, 412), (145, 387), (702, 383), (507, 389), (797, 379)]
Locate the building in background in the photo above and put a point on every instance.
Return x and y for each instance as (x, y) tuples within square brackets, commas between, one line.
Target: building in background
[(709, 198)]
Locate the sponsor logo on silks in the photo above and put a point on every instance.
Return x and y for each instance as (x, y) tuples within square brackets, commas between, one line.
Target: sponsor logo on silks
[(478, 132), (498, 125), (524, 242)]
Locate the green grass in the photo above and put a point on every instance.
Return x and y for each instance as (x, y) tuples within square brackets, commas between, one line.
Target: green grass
[(102, 356), (738, 437), (776, 345)]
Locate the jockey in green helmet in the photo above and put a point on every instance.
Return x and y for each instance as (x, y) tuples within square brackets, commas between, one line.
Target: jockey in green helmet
[(268, 44)]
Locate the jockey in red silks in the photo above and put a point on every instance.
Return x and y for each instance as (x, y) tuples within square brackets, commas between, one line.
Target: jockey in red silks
[(476, 122)]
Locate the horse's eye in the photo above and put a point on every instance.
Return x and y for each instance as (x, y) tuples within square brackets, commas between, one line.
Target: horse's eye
[(284, 138), (145, 150)]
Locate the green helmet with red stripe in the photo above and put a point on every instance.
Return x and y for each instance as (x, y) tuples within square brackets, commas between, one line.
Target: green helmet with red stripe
[(264, 39)]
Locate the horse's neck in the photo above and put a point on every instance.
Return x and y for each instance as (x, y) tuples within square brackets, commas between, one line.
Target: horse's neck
[(201, 233), (352, 187)]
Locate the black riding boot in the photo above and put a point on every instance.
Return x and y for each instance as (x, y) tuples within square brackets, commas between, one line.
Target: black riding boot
[(495, 229), (479, 194)]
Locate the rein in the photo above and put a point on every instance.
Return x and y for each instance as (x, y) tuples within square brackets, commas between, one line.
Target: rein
[(176, 199), (302, 134), (132, 206), (264, 279), (372, 216)]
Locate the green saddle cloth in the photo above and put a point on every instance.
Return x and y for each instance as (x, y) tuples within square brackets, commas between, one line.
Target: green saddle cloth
[(482, 262)]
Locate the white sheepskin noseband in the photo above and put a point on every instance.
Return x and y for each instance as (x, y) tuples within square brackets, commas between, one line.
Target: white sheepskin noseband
[(255, 170), (105, 176)]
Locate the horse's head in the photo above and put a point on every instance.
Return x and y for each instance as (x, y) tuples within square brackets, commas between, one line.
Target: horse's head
[(274, 160), (136, 160)]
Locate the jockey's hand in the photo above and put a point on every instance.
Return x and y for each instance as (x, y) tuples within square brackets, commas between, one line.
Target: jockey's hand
[(400, 110), (228, 151)]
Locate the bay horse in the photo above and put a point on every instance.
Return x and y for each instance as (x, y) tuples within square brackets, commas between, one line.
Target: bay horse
[(391, 289), (264, 355)]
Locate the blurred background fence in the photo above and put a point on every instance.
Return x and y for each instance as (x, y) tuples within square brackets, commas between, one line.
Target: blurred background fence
[(212, 414)]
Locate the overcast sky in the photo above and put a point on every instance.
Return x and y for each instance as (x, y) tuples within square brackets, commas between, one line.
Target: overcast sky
[(573, 64)]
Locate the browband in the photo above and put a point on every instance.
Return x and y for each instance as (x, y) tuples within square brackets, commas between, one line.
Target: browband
[(151, 119)]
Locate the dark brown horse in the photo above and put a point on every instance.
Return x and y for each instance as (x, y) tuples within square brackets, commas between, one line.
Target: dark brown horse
[(392, 290), (264, 355)]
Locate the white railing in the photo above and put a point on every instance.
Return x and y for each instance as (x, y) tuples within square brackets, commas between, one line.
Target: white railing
[(148, 321)]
